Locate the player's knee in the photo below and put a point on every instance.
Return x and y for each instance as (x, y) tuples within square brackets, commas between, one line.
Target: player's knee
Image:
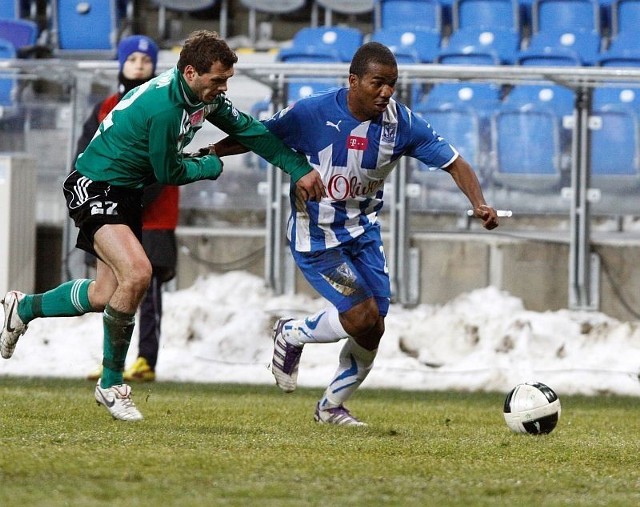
[(363, 319), (137, 278)]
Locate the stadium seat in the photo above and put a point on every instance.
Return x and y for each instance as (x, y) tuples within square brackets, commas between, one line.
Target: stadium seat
[(21, 33), (469, 55), (324, 44), (615, 149), (569, 26), (270, 7), (10, 9), (624, 97), (550, 97), (299, 88), (537, 113), (625, 17), (312, 45), (86, 28), (408, 14), (460, 112), (565, 16), (351, 7), (549, 57), (482, 98), (461, 127), (486, 15), (8, 82), (187, 6), (623, 51), (527, 144), (410, 46), (502, 45), (584, 45)]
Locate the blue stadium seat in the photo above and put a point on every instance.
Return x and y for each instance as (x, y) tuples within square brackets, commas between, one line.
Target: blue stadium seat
[(187, 6), (20, 32), (409, 14), (483, 98), (324, 44), (527, 144), (10, 9), (625, 16), (549, 57), (620, 96), (565, 16), (615, 149), (623, 51), (410, 46), (8, 81), (351, 7), (468, 55), (503, 44), (461, 127), (18, 9), (89, 27), (486, 15), (300, 88), (538, 114), (460, 112), (584, 45), (550, 97)]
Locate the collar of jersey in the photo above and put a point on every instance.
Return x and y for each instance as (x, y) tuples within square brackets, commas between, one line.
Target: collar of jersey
[(188, 95)]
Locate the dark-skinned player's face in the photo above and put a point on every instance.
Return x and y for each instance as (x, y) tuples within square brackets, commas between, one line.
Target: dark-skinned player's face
[(369, 95)]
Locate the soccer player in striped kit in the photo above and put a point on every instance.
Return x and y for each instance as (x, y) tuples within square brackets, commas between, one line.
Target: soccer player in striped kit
[(354, 137)]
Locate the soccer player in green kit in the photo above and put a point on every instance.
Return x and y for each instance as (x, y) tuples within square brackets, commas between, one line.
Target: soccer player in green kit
[(138, 143)]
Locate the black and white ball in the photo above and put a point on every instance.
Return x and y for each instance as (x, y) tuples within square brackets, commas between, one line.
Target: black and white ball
[(532, 407)]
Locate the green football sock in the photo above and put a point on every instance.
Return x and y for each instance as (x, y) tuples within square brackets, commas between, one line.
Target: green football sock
[(118, 328), (67, 300)]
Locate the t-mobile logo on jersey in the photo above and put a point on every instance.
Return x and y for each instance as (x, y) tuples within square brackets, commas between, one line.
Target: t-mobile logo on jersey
[(357, 143)]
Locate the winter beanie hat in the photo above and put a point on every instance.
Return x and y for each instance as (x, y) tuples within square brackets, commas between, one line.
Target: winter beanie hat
[(139, 43)]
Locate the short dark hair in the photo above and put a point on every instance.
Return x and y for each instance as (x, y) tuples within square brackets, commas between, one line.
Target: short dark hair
[(202, 48), (371, 52)]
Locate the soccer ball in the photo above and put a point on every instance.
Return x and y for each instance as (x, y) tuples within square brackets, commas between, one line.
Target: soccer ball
[(532, 407)]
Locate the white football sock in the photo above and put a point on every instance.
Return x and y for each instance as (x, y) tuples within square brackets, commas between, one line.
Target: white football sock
[(354, 366), (323, 327)]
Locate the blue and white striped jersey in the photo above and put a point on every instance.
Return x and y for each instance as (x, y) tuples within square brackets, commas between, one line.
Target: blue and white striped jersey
[(353, 158)]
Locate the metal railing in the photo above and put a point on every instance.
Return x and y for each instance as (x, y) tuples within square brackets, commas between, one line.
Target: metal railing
[(583, 272)]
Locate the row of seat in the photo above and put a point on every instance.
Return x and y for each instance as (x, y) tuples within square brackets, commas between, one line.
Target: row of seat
[(71, 26), (522, 139), (493, 27), (338, 44)]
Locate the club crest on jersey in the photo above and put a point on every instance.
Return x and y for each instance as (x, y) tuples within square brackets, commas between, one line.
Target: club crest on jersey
[(357, 143), (196, 119), (389, 132)]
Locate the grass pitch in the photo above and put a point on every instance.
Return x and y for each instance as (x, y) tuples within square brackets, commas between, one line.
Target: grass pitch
[(223, 445)]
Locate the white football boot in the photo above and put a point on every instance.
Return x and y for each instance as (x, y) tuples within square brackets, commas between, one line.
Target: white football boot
[(13, 327), (117, 400)]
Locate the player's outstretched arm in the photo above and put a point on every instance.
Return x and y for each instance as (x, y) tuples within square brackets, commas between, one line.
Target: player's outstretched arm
[(467, 181)]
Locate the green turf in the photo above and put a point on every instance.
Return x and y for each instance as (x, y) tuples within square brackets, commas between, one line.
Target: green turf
[(202, 445)]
